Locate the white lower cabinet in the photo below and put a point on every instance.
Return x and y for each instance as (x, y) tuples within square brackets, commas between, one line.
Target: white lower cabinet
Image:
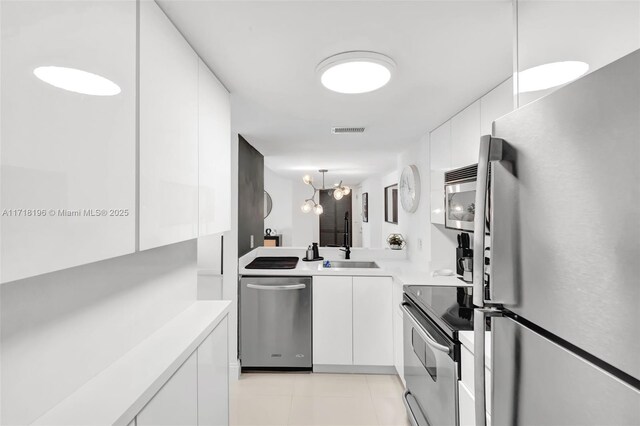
[(213, 378), (466, 411), (352, 321), (198, 392), (176, 403), (466, 387), (332, 321), (372, 321), (398, 344)]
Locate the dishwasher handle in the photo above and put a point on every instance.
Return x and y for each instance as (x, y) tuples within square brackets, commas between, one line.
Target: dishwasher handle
[(298, 286)]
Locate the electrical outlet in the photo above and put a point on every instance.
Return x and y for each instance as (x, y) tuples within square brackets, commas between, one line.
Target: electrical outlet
[(251, 243), (420, 244)]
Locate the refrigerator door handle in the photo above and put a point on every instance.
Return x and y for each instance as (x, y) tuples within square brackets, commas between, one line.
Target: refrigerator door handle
[(479, 319), (490, 150)]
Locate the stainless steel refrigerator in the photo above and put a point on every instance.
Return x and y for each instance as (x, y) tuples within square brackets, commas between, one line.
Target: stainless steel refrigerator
[(557, 235)]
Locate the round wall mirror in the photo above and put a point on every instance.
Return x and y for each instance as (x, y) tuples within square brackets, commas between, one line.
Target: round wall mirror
[(268, 204)]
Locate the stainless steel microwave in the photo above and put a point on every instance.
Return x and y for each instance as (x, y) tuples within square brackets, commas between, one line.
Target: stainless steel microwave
[(460, 198)]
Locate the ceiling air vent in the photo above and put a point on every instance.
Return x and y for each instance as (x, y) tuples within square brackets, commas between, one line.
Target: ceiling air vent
[(340, 130)]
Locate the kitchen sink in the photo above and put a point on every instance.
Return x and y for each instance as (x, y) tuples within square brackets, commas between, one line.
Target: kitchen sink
[(356, 264)]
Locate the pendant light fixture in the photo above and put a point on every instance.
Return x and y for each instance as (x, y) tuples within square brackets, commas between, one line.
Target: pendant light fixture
[(310, 204)]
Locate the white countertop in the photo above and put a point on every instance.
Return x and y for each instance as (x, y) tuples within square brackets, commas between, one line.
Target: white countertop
[(391, 264), (118, 393), (466, 338)]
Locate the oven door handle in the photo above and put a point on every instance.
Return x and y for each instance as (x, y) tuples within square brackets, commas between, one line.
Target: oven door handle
[(424, 333), (412, 416)]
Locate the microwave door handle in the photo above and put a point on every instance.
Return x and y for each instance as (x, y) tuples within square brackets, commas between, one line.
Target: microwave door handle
[(490, 150), (479, 380)]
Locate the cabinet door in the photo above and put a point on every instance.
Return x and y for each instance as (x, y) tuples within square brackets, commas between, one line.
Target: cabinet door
[(495, 104), (213, 378), (437, 197), (214, 141), (372, 321), (440, 147), (466, 406), (176, 403), (398, 345), (168, 132), (332, 320), (63, 152), (465, 136)]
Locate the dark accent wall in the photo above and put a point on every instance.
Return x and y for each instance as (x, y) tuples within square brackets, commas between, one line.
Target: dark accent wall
[(250, 197), (332, 219)]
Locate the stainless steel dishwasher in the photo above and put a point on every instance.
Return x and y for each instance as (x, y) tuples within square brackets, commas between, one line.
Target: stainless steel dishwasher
[(275, 323)]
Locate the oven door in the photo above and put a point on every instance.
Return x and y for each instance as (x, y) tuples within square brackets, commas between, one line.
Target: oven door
[(460, 202), (430, 371)]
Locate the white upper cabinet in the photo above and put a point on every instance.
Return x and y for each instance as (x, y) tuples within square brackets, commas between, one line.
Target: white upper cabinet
[(63, 152), (465, 136), (168, 132), (440, 161), (214, 139), (495, 104), (372, 321), (440, 147)]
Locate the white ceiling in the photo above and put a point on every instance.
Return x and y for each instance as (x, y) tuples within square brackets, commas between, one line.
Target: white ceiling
[(448, 53)]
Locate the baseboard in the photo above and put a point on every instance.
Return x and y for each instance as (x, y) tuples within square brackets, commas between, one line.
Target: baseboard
[(354, 369), (234, 371)]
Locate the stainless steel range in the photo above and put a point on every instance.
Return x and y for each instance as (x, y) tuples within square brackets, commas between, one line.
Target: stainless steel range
[(433, 317)]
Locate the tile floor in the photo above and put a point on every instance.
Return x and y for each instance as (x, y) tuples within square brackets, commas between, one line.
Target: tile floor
[(259, 399)]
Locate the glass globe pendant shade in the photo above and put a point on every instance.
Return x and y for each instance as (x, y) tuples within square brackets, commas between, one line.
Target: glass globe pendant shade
[(307, 206), (346, 190), (338, 194), (307, 179), (318, 209)]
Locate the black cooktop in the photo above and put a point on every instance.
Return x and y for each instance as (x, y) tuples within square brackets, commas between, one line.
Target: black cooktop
[(273, 262), (451, 308)]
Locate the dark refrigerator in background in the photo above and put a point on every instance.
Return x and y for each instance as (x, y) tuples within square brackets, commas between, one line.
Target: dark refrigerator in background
[(558, 221)]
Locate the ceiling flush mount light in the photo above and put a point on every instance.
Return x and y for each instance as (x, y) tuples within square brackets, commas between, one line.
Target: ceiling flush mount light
[(311, 204), (550, 75), (78, 81), (355, 72)]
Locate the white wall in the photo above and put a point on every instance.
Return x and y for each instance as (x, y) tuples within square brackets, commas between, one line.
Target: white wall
[(389, 179), (372, 230), (230, 278), (281, 218), (356, 222), (414, 227), (61, 329)]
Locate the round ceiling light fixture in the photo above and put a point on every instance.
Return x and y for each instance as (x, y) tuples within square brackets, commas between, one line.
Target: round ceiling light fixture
[(75, 80), (550, 75), (355, 72)]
